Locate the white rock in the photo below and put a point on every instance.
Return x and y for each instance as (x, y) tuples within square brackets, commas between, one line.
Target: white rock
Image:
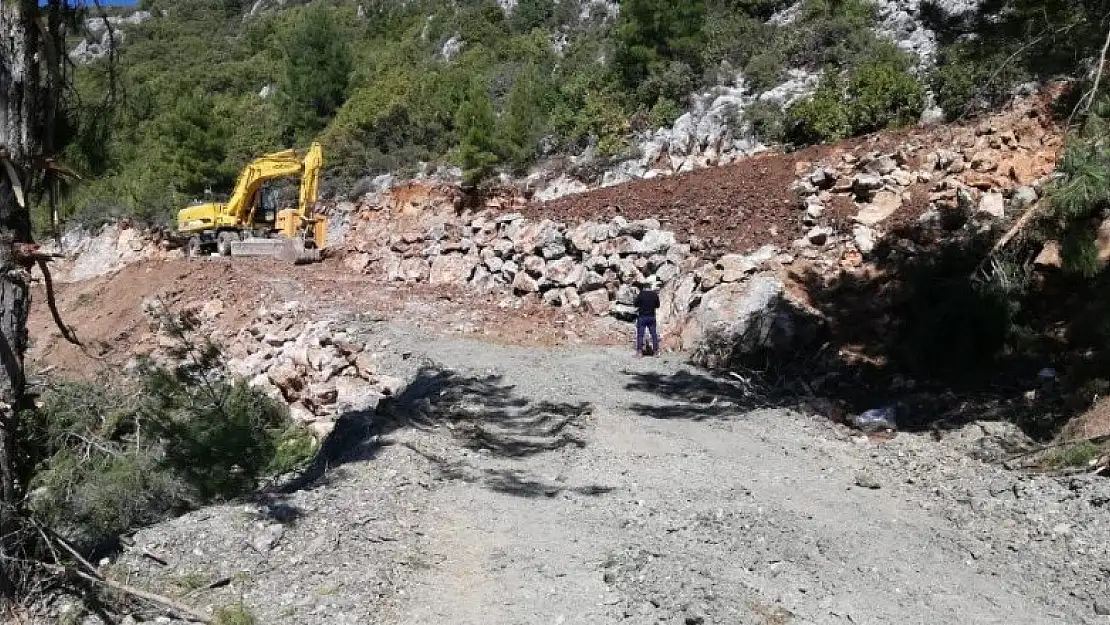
[(992, 205), (864, 238)]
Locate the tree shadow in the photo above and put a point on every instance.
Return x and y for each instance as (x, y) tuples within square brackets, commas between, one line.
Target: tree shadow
[(932, 327), (482, 413), (946, 332), (509, 481), (696, 395)]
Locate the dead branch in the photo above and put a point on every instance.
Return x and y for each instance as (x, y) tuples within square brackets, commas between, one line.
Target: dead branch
[(67, 332), (1018, 226), (1089, 98), (176, 607)]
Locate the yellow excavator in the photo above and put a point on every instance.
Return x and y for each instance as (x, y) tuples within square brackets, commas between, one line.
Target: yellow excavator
[(250, 223)]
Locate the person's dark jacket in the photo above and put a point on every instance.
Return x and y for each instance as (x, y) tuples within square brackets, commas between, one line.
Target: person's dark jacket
[(647, 302)]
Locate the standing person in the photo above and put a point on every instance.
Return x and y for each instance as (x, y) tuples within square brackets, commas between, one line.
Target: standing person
[(647, 302)]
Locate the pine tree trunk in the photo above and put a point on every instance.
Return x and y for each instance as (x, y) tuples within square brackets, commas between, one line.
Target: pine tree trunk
[(20, 117)]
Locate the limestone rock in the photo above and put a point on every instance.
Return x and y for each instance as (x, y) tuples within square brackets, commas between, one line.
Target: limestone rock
[(590, 281), (864, 238), (865, 183), (818, 235), (735, 267), (597, 302), (992, 205), (357, 262), (534, 266), (1024, 197), (626, 294), (1049, 257), (563, 272), (884, 204), (355, 394), (654, 242), (524, 283), (569, 298), (414, 270), (882, 165), (746, 317), (823, 178), (587, 235), (286, 378), (452, 269)]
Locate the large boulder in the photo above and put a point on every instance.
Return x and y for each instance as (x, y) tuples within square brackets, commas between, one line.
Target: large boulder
[(654, 241), (531, 237), (524, 284), (675, 301), (587, 235), (563, 272), (739, 319), (355, 394), (882, 206), (413, 270), (453, 268), (597, 302)]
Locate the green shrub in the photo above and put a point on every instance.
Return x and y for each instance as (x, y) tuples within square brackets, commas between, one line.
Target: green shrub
[(767, 121), (316, 67), (475, 123), (237, 614), (954, 83), (650, 35), (664, 113), (105, 457), (1074, 455), (525, 117), (765, 70), (734, 36), (822, 117), (883, 94)]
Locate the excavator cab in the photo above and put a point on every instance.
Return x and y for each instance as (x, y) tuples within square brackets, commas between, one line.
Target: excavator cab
[(268, 203)]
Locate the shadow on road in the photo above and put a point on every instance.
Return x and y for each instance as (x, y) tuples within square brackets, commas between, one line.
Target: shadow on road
[(696, 395), (483, 413)]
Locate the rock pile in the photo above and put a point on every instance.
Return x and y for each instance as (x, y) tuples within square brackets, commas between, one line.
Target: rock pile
[(319, 368), (596, 266), (986, 173)]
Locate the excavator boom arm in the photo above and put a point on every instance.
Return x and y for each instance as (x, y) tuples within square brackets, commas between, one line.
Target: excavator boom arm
[(269, 167), (310, 182)]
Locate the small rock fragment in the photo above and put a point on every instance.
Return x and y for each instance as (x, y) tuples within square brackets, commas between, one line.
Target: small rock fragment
[(866, 480)]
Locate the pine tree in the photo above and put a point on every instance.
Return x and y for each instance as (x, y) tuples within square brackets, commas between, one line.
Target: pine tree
[(524, 118), (474, 124), (315, 71)]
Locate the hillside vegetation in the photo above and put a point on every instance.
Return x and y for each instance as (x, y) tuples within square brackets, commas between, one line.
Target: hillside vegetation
[(205, 85)]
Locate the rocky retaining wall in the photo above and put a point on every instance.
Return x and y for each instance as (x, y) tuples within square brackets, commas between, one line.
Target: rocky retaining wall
[(594, 267)]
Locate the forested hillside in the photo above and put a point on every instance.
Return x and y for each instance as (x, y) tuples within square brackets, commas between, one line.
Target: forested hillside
[(204, 85)]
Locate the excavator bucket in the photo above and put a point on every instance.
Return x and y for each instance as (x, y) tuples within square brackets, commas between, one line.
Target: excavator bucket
[(289, 250), (294, 252)]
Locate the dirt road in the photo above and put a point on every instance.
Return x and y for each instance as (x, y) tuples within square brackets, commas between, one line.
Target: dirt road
[(578, 485)]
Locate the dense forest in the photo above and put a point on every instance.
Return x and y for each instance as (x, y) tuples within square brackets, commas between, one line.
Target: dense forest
[(188, 96)]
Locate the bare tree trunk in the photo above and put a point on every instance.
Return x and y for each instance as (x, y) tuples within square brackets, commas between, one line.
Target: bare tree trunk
[(20, 118)]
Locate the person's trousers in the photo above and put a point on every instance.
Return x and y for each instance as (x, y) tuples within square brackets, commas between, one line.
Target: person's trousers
[(646, 323)]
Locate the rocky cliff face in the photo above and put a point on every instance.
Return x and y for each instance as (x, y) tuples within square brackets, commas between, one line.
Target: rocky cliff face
[(89, 253)]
